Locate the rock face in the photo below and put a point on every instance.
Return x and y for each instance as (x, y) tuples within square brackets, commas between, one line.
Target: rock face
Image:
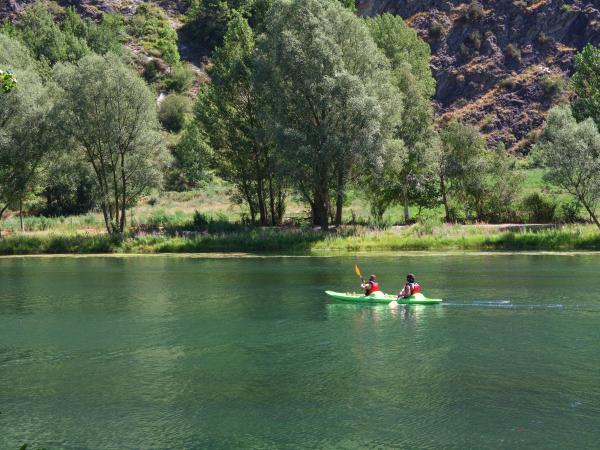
[(499, 64)]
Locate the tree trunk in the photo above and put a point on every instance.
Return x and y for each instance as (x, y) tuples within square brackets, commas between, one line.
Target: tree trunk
[(262, 210), (590, 212), (405, 202), (272, 202), (320, 210), (444, 197), (339, 199), (21, 215)]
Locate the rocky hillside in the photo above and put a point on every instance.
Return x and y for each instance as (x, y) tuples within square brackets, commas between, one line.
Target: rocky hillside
[(499, 64)]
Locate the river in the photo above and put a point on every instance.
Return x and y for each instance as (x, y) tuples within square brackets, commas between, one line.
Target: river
[(184, 352)]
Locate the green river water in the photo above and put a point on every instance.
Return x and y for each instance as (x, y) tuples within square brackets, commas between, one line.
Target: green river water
[(180, 352)]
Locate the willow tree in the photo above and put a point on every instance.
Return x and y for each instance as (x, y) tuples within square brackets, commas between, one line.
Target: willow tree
[(109, 113), (228, 112), (25, 129), (571, 153), (331, 101), (410, 59)]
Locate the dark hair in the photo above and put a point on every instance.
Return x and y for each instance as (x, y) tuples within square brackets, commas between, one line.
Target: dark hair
[(372, 277), (410, 277)]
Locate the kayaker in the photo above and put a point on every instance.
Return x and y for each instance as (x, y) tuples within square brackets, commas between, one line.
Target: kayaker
[(371, 285), (411, 287)]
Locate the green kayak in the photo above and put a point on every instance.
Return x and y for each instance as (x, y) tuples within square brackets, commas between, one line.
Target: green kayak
[(380, 297)]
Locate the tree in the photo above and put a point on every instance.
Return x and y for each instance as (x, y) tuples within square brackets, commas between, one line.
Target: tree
[(151, 25), (173, 111), (410, 58), (586, 84), (110, 115), (228, 112), (331, 102), (192, 156), (25, 130), (45, 39), (571, 153), (461, 168)]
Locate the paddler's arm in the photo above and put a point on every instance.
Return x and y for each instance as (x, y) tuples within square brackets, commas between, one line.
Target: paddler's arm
[(403, 293)]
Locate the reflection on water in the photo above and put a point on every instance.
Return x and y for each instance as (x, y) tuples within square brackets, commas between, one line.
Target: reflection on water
[(379, 312)]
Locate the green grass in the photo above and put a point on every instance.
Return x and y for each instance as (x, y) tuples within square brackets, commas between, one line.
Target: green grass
[(306, 241)]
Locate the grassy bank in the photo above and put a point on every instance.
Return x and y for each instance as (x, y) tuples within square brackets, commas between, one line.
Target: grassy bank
[(300, 241)]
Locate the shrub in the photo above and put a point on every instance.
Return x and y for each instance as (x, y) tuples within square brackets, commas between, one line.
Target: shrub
[(151, 25), (181, 78), (474, 12), (569, 212), (542, 38), (475, 38), (553, 85), (463, 50), (436, 30), (513, 52), (151, 71), (566, 8), (539, 208), (508, 83), (173, 112)]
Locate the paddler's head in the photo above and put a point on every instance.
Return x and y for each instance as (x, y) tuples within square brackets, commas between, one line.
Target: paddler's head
[(410, 278), (372, 277)]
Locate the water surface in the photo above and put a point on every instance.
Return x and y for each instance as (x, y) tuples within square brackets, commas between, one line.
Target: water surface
[(167, 352)]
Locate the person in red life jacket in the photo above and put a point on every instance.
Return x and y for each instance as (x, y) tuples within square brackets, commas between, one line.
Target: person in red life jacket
[(411, 287), (371, 285)]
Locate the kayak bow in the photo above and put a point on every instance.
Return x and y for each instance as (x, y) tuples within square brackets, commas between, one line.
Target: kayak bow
[(380, 297)]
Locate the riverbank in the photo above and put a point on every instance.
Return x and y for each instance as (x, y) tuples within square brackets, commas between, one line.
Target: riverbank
[(307, 241)]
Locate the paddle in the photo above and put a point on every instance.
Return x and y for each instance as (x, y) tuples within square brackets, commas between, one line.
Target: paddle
[(357, 272)]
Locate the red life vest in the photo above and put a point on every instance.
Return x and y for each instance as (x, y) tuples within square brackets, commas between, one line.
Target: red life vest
[(374, 287), (415, 288)]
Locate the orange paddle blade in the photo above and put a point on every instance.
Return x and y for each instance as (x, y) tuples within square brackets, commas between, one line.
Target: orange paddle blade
[(357, 271)]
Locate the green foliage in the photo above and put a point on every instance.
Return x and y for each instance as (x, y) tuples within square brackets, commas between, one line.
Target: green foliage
[(181, 78), (539, 208), (474, 12), (38, 30), (69, 187), (108, 111), (566, 8), (228, 112), (586, 84), (542, 38), (192, 157), (207, 24), (513, 52), (52, 41), (553, 85), (475, 38), (481, 183), (436, 31), (331, 98), (407, 169), (571, 153), (508, 83), (151, 25), (8, 81), (173, 112), (25, 132)]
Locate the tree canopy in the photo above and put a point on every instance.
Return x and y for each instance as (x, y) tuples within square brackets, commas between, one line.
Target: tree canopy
[(332, 103)]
